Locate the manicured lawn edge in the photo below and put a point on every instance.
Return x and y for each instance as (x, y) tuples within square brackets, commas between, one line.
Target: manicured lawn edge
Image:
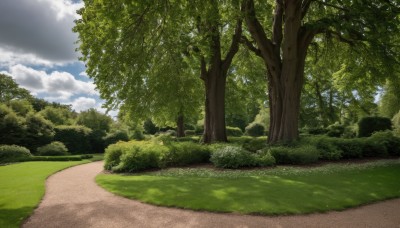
[(173, 189), (26, 209)]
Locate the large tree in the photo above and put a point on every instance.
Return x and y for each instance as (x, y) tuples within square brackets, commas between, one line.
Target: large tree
[(370, 27), (120, 41)]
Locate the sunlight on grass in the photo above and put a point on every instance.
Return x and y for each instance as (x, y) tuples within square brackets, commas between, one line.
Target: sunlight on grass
[(22, 187), (274, 191)]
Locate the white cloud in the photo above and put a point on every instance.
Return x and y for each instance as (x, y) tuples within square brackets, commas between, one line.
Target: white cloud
[(37, 32), (84, 74), (56, 86), (83, 103)]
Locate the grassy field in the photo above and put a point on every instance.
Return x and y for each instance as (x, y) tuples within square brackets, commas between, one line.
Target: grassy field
[(22, 186), (282, 190)]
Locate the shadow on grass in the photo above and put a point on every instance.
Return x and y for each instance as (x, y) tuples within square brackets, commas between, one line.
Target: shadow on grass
[(13, 217)]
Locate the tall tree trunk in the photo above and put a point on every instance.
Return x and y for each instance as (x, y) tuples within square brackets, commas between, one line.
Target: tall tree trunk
[(213, 74), (214, 122), (180, 127), (284, 57)]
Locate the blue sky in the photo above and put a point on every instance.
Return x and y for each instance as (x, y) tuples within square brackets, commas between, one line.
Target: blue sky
[(37, 48)]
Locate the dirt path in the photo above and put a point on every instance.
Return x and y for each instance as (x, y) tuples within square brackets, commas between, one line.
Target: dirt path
[(73, 199)]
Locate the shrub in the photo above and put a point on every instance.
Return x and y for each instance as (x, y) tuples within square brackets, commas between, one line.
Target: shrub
[(317, 131), (53, 149), (75, 138), (190, 132), (137, 135), (149, 127), (328, 149), (350, 148), (39, 132), (369, 125), (335, 130), (232, 157), (13, 153), (264, 159), (255, 144), (138, 158), (374, 147), (86, 156), (114, 137), (255, 130), (304, 154), (233, 131), (113, 153), (185, 153), (391, 142)]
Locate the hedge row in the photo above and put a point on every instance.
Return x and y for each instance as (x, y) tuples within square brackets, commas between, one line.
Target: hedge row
[(140, 155)]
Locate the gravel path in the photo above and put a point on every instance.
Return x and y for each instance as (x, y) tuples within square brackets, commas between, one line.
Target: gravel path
[(73, 199)]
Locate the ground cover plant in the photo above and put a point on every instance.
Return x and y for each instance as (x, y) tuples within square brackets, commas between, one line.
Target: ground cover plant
[(282, 190), (22, 186)]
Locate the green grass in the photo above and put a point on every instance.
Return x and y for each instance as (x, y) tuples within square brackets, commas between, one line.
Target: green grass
[(22, 186), (282, 190)]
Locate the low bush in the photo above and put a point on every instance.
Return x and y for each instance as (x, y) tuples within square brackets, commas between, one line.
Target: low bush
[(264, 159), (137, 158), (255, 144), (86, 156), (157, 153), (299, 155), (232, 157), (335, 130), (233, 131), (137, 135), (53, 149), (255, 130), (383, 139), (369, 125), (328, 148), (185, 153), (13, 153), (350, 148), (316, 131)]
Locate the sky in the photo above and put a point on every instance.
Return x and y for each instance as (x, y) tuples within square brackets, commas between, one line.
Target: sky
[(37, 48)]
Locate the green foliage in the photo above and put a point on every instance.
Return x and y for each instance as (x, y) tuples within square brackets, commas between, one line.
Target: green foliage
[(369, 125), (58, 116), (335, 130), (158, 153), (114, 137), (12, 127), (389, 104), (233, 131), (10, 90), (53, 149), (328, 148), (265, 159), (21, 107), (185, 153), (388, 140), (94, 120), (137, 135), (13, 153), (149, 127), (52, 158), (255, 130), (75, 138), (232, 157), (299, 155), (39, 132)]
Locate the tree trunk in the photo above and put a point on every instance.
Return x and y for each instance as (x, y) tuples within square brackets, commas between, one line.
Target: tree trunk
[(180, 128), (284, 57), (214, 122)]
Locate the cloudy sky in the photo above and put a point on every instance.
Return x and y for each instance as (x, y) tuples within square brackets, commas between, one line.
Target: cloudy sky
[(37, 48)]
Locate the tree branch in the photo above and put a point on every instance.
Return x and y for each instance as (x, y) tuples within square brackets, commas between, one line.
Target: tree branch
[(250, 46), (277, 35), (234, 48), (257, 32)]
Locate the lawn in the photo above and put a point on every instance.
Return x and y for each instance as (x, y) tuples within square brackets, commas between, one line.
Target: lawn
[(22, 186), (282, 190)]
